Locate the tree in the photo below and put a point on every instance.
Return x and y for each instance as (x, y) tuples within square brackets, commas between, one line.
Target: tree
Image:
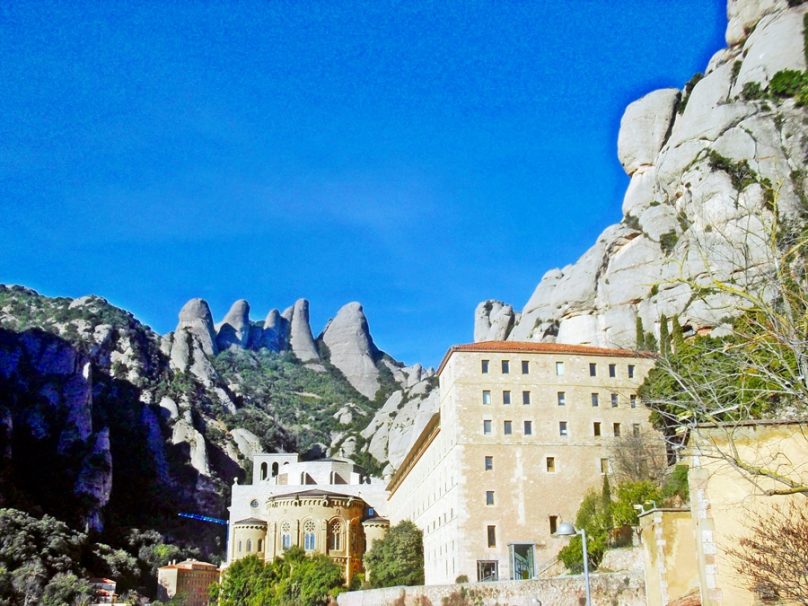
[(398, 558), (772, 556), (592, 516), (295, 579), (760, 370), (637, 457)]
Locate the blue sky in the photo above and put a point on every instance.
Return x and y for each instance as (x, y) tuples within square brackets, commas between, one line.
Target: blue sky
[(415, 156)]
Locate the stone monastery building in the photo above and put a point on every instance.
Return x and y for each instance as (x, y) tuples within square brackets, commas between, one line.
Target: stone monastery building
[(523, 431)]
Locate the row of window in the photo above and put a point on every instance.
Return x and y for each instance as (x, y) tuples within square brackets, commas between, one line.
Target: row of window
[(527, 428), (561, 398), (550, 466), (505, 368)]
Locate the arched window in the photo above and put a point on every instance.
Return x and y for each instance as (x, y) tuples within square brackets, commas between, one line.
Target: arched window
[(335, 535), (308, 535), (274, 469), (286, 536), (263, 471), (260, 545), (239, 546), (249, 545)]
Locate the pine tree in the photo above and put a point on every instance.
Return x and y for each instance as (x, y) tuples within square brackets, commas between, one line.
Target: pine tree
[(677, 337), (640, 334), (664, 336)]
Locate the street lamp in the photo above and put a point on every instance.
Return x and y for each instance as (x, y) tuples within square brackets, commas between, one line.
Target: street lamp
[(565, 529)]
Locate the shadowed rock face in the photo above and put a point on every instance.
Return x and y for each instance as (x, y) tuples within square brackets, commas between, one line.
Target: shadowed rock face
[(235, 328), (275, 333), (685, 220), (352, 350)]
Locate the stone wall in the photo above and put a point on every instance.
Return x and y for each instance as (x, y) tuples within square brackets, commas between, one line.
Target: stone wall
[(615, 589)]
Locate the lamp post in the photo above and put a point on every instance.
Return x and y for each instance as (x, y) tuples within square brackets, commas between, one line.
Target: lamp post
[(565, 529)]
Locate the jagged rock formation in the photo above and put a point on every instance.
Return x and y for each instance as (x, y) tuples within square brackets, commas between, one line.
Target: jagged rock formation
[(705, 165), (235, 328), (301, 341), (351, 349)]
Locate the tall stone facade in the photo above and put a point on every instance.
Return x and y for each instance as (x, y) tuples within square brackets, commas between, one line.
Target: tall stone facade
[(524, 430)]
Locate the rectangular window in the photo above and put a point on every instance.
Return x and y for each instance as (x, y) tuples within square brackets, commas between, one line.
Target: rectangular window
[(525, 367), (525, 397), (486, 396), (593, 369), (635, 429), (549, 463), (562, 428), (484, 366), (506, 367), (562, 398), (492, 536), (528, 428), (631, 371), (612, 370), (596, 429), (633, 400), (614, 400), (604, 466), (489, 497), (616, 427), (489, 462), (559, 369), (487, 427), (595, 400), (507, 428), (553, 524), (506, 397)]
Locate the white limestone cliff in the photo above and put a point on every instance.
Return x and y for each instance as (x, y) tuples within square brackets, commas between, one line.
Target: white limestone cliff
[(301, 341), (684, 218), (351, 349)]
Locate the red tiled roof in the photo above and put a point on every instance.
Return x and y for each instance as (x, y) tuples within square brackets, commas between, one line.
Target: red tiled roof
[(549, 348)]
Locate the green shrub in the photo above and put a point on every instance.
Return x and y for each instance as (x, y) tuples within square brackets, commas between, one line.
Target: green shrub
[(668, 241), (787, 83), (398, 558), (752, 91)]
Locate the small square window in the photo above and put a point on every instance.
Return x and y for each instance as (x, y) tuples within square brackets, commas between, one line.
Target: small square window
[(549, 464), (489, 497), (489, 462), (633, 399), (491, 531), (596, 429), (525, 397), (614, 400), (616, 427), (486, 396), (484, 366), (507, 428), (612, 370), (553, 524), (487, 427), (506, 397), (631, 371), (595, 400), (525, 367), (559, 369), (506, 367), (604, 466), (562, 398), (635, 430), (528, 428), (593, 369), (562, 428)]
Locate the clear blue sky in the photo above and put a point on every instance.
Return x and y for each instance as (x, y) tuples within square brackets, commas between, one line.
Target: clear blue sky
[(415, 156)]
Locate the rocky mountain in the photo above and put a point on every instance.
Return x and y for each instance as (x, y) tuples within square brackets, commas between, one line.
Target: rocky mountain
[(707, 164), (103, 422)]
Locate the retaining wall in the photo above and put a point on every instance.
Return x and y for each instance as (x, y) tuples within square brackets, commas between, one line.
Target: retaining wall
[(608, 589)]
